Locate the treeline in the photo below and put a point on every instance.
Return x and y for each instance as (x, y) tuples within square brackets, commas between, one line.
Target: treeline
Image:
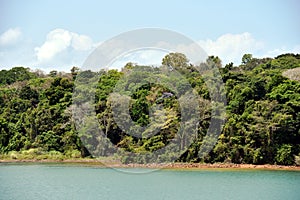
[(262, 111)]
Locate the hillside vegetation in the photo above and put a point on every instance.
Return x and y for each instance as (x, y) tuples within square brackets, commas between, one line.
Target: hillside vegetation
[(262, 111)]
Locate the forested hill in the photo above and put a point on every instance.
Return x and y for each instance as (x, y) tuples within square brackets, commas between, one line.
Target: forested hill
[(262, 113)]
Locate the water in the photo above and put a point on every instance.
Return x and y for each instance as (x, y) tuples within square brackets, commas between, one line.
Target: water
[(36, 182)]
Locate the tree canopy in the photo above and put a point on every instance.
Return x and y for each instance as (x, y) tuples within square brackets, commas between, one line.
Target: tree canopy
[(262, 113)]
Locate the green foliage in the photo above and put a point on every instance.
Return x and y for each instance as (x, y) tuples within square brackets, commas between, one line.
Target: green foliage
[(214, 60), (33, 114), (15, 74), (286, 61), (246, 58), (262, 126), (297, 160), (175, 60), (284, 155)]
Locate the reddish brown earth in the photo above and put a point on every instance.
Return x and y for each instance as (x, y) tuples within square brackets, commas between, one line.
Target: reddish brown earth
[(114, 164)]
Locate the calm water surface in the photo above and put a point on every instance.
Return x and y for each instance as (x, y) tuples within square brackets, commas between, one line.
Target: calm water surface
[(36, 182)]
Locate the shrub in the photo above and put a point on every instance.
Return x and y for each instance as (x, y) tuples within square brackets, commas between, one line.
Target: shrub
[(73, 154), (284, 155), (297, 160)]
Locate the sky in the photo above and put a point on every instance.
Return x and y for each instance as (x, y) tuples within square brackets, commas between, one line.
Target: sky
[(56, 35)]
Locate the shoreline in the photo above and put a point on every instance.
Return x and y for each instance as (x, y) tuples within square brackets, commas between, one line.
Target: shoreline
[(176, 166)]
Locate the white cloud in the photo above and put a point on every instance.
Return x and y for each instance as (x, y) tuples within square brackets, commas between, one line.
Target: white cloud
[(57, 40), (231, 47), (282, 50), (11, 36), (63, 49), (60, 40), (142, 57), (190, 49), (81, 42)]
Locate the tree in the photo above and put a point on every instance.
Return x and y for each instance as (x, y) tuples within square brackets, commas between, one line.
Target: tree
[(175, 60), (53, 73), (74, 71), (214, 61), (246, 58), (263, 119), (15, 74), (284, 155)]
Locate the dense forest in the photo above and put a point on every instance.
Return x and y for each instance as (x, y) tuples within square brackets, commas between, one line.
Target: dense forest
[(262, 118)]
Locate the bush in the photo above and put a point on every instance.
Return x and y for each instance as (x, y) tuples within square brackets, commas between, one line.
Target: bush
[(13, 155), (56, 155), (297, 160), (73, 154), (32, 151), (284, 155)]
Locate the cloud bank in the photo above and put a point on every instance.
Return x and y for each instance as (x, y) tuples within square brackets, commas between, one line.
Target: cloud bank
[(232, 47), (10, 37), (60, 40), (63, 49)]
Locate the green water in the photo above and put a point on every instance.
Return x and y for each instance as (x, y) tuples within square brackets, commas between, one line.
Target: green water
[(37, 182)]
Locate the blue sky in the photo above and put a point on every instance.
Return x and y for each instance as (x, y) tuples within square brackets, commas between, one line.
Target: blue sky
[(52, 34)]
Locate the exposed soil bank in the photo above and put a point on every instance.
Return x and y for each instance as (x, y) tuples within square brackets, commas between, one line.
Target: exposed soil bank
[(115, 164)]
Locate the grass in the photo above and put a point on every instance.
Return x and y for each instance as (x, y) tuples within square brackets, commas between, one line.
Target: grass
[(39, 154)]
